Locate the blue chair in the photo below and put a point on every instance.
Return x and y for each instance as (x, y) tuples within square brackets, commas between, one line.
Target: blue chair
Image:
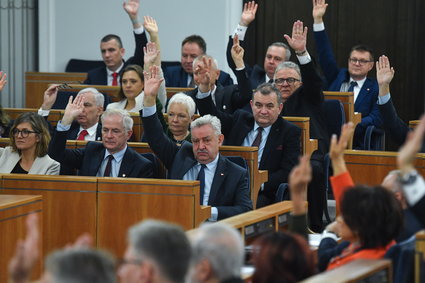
[(63, 98), (79, 65), (374, 138), (238, 160), (402, 256), (282, 192), (152, 158)]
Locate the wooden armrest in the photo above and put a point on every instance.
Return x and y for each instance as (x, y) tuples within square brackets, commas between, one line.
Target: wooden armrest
[(261, 177), (312, 145), (204, 214)]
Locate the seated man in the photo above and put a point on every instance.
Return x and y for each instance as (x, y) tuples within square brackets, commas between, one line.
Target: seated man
[(217, 254), (278, 141), (355, 79), (182, 76), (277, 52), (224, 185), (301, 91), (156, 252), (112, 51), (229, 98), (112, 157)]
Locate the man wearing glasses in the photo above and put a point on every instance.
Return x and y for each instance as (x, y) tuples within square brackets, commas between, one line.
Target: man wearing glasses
[(354, 79)]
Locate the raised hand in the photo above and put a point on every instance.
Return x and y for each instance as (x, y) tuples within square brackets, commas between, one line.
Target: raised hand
[(150, 25), (299, 178), (3, 80), (248, 13), (27, 253), (298, 41), (74, 108), (151, 54), (50, 96), (384, 72), (132, 8), (237, 53), (407, 153), (337, 147), (152, 83), (319, 10), (204, 71)]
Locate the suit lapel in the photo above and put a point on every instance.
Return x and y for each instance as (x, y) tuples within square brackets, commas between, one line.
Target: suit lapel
[(364, 92), (219, 176), (97, 159), (219, 97), (126, 164)]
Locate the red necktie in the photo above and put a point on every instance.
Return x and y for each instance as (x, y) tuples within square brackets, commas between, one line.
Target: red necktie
[(114, 78), (108, 167), (82, 134)]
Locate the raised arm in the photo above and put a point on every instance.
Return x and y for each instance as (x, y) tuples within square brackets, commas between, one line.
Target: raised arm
[(3, 80), (132, 9), (298, 40), (49, 97), (319, 10), (384, 75), (151, 27)]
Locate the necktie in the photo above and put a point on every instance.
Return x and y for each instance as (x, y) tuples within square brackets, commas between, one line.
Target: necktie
[(114, 78), (257, 140), (108, 167), (192, 82), (82, 135), (352, 85), (201, 178)]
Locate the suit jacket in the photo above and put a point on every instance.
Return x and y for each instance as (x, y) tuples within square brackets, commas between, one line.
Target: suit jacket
[(175, 76), (368, 95), (98, 76), (229, 189), (42, 165), (232, 97), (282, 148), (256, 74), (88, 160), (306, 101)]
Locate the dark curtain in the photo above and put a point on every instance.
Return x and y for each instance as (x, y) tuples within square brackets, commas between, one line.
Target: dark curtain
[(391, 27)]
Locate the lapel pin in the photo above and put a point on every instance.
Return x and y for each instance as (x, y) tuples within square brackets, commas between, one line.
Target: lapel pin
[(222, 174), (368, 89), (224, 107), (123, 175), (98, 138)]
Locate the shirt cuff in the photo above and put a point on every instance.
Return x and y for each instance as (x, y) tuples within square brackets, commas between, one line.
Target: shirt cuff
[(327, 234), (202, 95), (43, 113), (384, 99), (304, 59), (413, 191), (139, 30), (241, 31), (214, 214), (240, 69), (319, 27), (62, 128), (149, 111)]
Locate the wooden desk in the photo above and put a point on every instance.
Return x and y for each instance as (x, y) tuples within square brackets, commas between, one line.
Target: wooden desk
[(420, 257), (13, 212), (308, 145), (356, 271), (54, 115), (173, 90), (37, 82)]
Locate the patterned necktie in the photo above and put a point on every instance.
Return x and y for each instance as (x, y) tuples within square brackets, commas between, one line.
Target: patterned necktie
[(82, 135), (108, 167), (201, 178), (257, 140), (352, 85), (114, 78)]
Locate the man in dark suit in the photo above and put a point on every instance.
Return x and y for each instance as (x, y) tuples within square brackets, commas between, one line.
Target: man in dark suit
[(182, 75), (112, 51), (225, 98), (355, 79), (224, 185), (112, 157), (277, 52)]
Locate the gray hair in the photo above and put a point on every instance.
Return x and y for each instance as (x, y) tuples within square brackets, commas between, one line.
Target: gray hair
[(127, 121), (266, 89), (82, 266), (283, 45), (288, 65), (207, 120), (98, 96), (165, 244), (184, 99), (200, 57), (222, 246), (396, 185)]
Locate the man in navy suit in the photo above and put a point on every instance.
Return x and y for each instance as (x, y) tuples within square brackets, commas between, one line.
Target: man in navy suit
[(355, 79), (277, 52), (112, 51), (182, 75), (224, 185), (112, 157)]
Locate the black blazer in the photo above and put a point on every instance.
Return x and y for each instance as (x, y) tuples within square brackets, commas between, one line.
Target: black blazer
[(306, 101), (282, 148), (232, 97), (98, 76), (229, 189), (88, 160)]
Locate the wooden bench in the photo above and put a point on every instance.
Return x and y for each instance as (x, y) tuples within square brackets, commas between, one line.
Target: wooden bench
[(420, 257), (13, 212), (37, 82), (54, 115), (360, 270), (173, 90), (308, 145)]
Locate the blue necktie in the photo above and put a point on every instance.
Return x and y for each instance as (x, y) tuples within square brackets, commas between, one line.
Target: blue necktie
[(352, 85), (201, 178)]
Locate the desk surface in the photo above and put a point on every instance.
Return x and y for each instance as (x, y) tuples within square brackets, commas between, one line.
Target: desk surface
[(8, 201)]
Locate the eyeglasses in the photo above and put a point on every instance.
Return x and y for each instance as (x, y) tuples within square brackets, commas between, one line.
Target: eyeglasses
[(289, 81), (24, 133), (361, 62)]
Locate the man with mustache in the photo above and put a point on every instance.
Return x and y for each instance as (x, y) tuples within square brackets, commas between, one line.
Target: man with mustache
[(223, 184)]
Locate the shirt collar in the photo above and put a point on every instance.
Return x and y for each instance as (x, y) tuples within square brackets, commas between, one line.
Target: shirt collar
[(118, 156), (266, 129), (213, 164), (359, 83), (109, 72), (92, 130)]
